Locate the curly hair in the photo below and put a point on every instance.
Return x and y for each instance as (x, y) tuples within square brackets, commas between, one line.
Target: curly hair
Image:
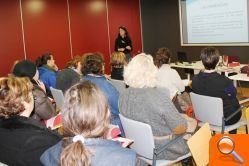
[(13, 91), (93, 64), (140, 72), (74, 62)]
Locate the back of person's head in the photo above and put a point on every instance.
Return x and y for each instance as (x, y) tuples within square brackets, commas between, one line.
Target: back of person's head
[(43, 59), (93, 64), (118, 59), (210, 57), (140, 72), (24, 68), (75, 61), (85, 115), (162, 56), (13, 92)]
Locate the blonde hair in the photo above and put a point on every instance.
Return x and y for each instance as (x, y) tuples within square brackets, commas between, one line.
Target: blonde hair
[(118, 59), (13, 91), (140, 72), (85, 113)]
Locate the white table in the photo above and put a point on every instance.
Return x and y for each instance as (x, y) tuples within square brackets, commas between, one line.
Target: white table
[(240, 77), (197, 66)]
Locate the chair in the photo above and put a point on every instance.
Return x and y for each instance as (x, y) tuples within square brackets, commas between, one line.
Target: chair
[(118, 84), (199, 145), (58, 97), (210, 110), (143, 144)]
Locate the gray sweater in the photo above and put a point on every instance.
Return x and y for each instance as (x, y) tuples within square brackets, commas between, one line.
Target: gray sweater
[(154, 107)]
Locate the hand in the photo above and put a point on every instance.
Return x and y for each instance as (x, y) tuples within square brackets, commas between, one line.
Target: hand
[(41, 85), (121, 49), (55, 67), (128, 47)]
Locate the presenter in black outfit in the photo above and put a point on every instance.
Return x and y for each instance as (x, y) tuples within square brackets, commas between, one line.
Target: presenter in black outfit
[(123, 43)]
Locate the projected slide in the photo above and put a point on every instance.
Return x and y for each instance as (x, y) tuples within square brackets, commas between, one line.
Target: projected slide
[(215, 21)]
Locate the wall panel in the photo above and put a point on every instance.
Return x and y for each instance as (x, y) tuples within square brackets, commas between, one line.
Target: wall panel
[(46, 29), (125, 13), (47, 25), (89, 27), (11, 45)]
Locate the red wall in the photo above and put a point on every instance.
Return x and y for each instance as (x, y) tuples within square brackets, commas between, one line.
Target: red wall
[(11, 45), (46, 29), (47, 26), (127, 15), (89, 27)]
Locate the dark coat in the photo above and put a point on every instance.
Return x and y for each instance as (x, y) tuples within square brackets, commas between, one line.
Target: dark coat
[(23, 140), (67, 78), (43, 108), (216, 85)]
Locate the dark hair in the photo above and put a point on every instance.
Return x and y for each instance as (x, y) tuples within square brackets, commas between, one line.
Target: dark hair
[(24, 68), (210, 57), (162, 56), (43, 59), (93, 64), (126, 32)]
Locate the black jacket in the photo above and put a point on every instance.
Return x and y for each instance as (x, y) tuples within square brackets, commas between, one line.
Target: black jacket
[(43, 108), (67, 78), (117, 73), (122, 43), (216, 85), (23, 140)]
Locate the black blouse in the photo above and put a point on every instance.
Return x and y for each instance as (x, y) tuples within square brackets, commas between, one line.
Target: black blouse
[(122, 43)]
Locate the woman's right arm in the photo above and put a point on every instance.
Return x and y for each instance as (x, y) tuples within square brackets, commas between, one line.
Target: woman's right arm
[(173, 118)]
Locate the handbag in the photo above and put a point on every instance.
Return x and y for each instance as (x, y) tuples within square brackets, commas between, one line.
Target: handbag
[(245, 69)]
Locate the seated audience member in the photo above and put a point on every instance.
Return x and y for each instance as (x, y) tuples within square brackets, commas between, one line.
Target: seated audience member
[(43, 108), (211, 83), (166, 76), (23, 139), (47, 71), (94, 70), (86, 120), (71, 75), (143, 102), (118, 61)]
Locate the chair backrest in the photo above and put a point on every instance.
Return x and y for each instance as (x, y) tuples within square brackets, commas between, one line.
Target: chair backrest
[(142, 135), (58, 97), (199, 145), (207, 109), (247, 118)]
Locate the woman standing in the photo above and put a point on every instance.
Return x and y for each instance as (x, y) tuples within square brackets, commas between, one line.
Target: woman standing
[(123, 43)]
